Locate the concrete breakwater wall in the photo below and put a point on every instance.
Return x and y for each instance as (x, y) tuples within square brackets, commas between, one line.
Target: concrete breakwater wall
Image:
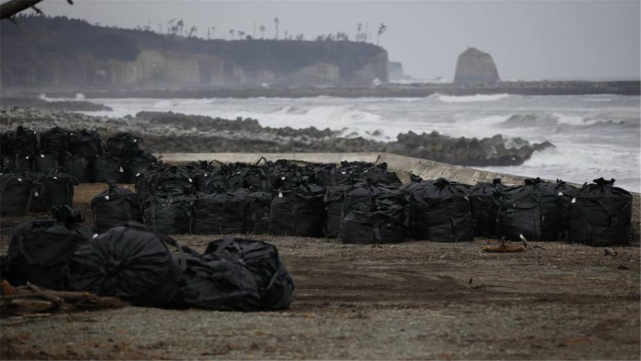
[(400, 164)]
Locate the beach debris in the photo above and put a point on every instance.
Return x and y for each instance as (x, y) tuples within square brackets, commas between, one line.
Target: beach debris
[(610, 252), (30, 300), (504, 247)]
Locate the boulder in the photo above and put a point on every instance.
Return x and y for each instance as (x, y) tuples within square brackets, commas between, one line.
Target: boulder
[(475, 66)]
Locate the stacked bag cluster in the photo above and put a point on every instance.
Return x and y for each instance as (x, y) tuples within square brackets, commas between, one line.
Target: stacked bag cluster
[(146, 268), (38, 171), (361, 202)]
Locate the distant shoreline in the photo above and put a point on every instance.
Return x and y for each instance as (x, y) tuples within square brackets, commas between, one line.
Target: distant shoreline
[(418, 90)]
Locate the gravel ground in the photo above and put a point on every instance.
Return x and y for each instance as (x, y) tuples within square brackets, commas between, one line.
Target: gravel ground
[(416, 300)]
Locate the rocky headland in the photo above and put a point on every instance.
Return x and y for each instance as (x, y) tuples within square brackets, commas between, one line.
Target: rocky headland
[(171, 132)]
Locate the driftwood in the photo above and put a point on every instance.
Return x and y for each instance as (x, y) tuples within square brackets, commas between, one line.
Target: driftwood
[(30, 299)]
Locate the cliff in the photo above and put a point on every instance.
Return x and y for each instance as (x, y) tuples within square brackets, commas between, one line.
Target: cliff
[(475, 66), (62, 52)]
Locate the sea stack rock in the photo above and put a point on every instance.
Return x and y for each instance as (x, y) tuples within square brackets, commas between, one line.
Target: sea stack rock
[(475, 66)]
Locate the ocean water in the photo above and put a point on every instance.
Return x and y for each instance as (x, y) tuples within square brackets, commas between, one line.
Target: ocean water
[(595, 135)]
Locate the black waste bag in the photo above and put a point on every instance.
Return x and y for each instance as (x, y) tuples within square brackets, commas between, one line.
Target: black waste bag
[(219, 213), (380, 174), (257, 209), (485, 208), (40, 250), (40, 193), (216, 282), (22, 141), (562, 216), (16, 193), (129, 262), (60, 187), (208, 181), (531, 210), (383, 220), (144, 179), (86, 143), (105, 168), (440, 212), (78, 167), (115, 207), (171, 214), (275, 285), (55, 141), (17, 163), (45, 162), (600, 214), (334, 202), (329, 175), (298, 211), (256, 177), (136, 165), (123, 145), (365, 191), (288, 175), (177, 178)]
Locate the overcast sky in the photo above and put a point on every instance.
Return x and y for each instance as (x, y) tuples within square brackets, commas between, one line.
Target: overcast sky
[(528, 39)]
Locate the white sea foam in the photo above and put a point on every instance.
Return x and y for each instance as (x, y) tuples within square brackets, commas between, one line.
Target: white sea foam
[(472, 98)]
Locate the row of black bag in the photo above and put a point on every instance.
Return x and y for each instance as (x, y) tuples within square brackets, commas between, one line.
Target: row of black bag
[(147, 268), (81, 154), (365, 203)]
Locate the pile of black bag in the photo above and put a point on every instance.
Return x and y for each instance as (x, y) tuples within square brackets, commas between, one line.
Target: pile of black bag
[(147, 268), (82, 154)]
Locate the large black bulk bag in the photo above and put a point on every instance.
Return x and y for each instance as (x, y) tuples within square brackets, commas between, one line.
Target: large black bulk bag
[(105, 168), (484, 207), (365, 191), (44, 162), (23, 141), (563, 191), (298, 211), (600, 214), (208, 181), (219, 213), (123, 145), (128, 262), (55, 141), (275, 285), (255, 177), (40, 193), (382, 220), (531, 210), (115, 207), (178, 178), (380, 174), (86, 143), (60, 187), (288, 175), (78, 167), (39, 250), (137, 164), (440, 212), (257, 209), (216, 282), (329, 175), (415, 181), (16, 193), (334, 201), (17, 163), (171, 214)]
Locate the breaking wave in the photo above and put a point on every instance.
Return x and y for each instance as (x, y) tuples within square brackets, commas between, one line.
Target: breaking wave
[(472, 98)]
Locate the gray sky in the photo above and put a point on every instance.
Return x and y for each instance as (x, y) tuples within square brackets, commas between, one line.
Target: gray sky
[(528, 39)]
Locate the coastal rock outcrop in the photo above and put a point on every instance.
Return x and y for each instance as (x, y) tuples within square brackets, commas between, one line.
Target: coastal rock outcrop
[(475, 66)]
